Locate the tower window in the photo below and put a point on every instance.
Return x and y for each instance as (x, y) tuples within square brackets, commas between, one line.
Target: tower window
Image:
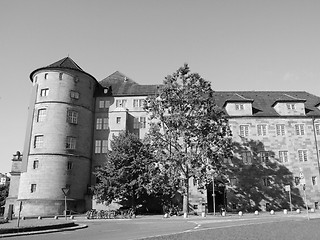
[(72, 117), (33, 188), (41, 115), (46, 76), (60, 76), (74, 94), (35, 164), (38, 141), (69, 165), (118, 120), (71, 143), (44, 92), (314, 180)]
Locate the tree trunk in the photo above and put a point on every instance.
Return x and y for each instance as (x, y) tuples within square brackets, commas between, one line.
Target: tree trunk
[(186, 197)]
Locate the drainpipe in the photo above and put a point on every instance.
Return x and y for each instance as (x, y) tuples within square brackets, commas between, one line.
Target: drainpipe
[(316, 142)]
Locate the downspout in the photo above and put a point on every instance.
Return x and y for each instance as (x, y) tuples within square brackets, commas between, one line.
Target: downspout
[(316, 142)]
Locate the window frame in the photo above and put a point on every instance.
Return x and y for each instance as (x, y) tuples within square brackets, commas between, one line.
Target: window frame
[(280, 129), (283, 156), (299, 129), (44, 92), (33, 187), (262, 129), (245, 130), (72, 116), (40, 116), (38, 141), (74, 94), (71, 142), (303, 155)]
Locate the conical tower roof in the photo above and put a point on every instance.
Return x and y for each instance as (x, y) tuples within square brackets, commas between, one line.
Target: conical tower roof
[(64, 63)]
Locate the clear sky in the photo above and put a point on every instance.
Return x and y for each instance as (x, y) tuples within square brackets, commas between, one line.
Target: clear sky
[(237, 45)]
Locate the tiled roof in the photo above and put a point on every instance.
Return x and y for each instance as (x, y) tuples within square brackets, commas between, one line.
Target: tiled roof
[(264, 100), (288, 98), (122, 85), (237, 98)]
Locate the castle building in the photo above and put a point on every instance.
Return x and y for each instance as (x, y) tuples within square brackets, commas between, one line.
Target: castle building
[(72, 118)]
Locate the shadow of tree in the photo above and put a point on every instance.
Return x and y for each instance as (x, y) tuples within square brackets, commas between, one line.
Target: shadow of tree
[(257, 180)]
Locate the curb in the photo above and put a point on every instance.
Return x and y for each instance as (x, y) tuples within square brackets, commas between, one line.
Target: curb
[(35, 231)]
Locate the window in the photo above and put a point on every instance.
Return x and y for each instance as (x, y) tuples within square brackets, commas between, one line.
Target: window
[(302, 155), (239, 106), (105, 123), (104, 146), (262, 130), (244, 130), (246, 157), (35, 164), (72, 117), (41, 115), (69, 165), (71, 143), (280, 129), (138, 102), (97, 148), (107, 104), (99, 124), (297, 181), (38, 141), (264, 156), (314, 180), (60, 76), (121, 103), (46, 76), (299, 129), (44, 92), (291, 106), (118, 120), (283, 156), (101, 104), (74, 94), (317, 127), (266, 181), (142, 122), (33, 188)]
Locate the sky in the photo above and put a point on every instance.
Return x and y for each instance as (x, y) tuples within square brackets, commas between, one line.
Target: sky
[(236, 45)]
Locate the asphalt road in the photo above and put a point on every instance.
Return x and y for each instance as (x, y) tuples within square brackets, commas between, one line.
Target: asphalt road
[(226, 228)]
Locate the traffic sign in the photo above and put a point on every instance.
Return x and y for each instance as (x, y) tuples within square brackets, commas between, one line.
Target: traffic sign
[(287, 188)]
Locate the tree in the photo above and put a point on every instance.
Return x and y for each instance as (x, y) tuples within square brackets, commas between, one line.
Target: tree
[(189, 131), (4, 190), (130, 173)]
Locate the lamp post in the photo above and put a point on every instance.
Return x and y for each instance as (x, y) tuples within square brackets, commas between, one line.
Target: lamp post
[(65, 193), (213, 195)]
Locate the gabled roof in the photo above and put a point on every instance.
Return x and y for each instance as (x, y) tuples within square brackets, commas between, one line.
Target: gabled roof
[(238, 98), (121, 85), (64, 63), (288, 98), (263, 100)]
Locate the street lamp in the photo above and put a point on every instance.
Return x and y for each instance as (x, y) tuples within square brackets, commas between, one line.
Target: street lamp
[(65, 191)]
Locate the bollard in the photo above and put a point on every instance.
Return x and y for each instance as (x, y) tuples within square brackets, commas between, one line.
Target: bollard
[(256, 212), (312, 210), (203, 214), (285, 211), (56, 217), (166, 215), (298, 211), (185, 215), (223, 214), (240, 213), (71, 217), (272, 212), (23, 218), (39, 218)]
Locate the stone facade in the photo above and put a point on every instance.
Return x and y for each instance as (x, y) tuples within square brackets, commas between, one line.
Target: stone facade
[(73, 117)]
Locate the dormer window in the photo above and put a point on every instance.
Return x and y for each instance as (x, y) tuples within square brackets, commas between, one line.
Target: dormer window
[(121, 103), (239, 106), (291, 106)]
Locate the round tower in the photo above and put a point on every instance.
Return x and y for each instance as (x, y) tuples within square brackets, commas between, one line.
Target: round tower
[(59, 142)]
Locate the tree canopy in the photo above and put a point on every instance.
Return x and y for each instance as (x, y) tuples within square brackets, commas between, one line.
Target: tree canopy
[(189, 132)]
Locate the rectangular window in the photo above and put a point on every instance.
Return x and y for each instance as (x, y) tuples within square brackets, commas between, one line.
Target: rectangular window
[(244, 130), (33, 188), (69, 165), (74, 94), (303, 157), (41, 115), (314, 180), (107, 104), (142, 122), (72, 117), (264, 156), (35, 164), (104, 146), (99, 124), (317, 127), (246, 157), (101, 104), (118, 120), (262, 130), (291, 106), (266, 181), (121, 103), (299, 129), (280, 129), (38, 141), (71, 143), (44, 92), (97, 148), (239, 106), (138, 102), (283, 156), (105, 123)]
